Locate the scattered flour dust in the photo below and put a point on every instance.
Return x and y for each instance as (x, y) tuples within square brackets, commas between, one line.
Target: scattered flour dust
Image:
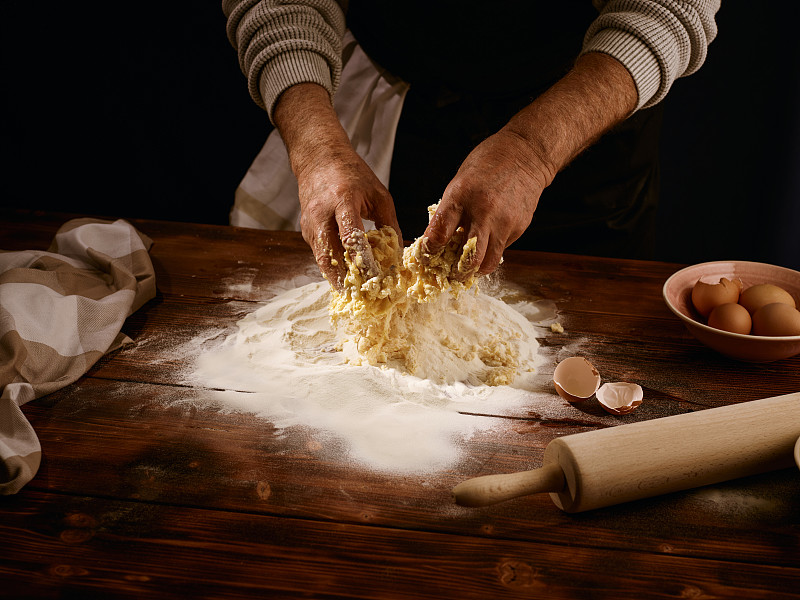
[(292, 364), (287, 363)]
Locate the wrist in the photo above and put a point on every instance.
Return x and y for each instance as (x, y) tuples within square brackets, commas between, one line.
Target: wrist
[(597, 94)]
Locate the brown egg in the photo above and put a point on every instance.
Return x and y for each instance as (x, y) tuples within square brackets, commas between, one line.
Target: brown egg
[(762, 294), (731, 317), (776, 318), (707, 296)]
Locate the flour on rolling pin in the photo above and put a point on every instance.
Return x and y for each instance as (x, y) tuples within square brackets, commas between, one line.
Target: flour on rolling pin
[(653, 457)]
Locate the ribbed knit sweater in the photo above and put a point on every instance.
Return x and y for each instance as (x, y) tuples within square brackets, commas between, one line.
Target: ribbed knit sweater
[(281, 43)]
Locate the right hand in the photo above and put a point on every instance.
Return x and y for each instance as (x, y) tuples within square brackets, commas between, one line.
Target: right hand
[(337, 188), (336, 193)]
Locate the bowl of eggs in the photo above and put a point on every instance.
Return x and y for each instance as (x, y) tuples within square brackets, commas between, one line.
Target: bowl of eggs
[(744, 310)]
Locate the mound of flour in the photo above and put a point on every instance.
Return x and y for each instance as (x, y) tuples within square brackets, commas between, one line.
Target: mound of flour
[(290, 364)]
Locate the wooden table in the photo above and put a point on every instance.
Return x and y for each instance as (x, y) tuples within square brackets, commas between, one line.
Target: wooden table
[(143, 496)]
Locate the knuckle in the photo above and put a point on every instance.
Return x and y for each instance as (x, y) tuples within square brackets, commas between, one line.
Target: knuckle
[(435, 238)]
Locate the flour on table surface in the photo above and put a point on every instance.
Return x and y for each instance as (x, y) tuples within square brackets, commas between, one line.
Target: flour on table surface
[(288, 364), (398, 367), (732, 499)]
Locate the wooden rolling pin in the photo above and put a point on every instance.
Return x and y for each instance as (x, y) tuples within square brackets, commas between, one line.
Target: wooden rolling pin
[(599, 468)]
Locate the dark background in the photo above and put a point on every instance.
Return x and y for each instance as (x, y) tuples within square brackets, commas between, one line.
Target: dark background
[(143, 112)]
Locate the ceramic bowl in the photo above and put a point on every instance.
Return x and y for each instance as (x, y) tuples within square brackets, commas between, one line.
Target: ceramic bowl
[(797, 453), (750, 348)]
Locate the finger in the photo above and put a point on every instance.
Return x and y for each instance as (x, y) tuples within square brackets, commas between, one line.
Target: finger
[(442, 226), (467, 264), (354, 240), (493, 256), (471, 257), (384, 215), (329, 254)]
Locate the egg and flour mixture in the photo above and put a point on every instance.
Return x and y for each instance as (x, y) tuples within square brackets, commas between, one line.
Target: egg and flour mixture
[(389, 370), (416, 317)]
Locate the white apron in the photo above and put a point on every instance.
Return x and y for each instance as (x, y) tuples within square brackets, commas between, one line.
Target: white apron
[(368, 103)]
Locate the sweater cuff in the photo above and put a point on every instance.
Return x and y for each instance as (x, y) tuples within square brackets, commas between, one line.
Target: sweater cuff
[(288, 69), (635, 56)]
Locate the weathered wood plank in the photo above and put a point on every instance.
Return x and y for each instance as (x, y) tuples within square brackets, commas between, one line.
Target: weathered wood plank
[(238, 263), (612, 310), (165, 445), (58, 544), (148, 489)]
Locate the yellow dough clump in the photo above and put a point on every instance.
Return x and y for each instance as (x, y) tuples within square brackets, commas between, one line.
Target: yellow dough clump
[(393, 315)]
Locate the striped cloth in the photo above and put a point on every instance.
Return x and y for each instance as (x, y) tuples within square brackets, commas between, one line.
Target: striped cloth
[(60, 311)]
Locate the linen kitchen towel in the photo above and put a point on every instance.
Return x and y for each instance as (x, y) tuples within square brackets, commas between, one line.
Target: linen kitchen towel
[(60, 311)]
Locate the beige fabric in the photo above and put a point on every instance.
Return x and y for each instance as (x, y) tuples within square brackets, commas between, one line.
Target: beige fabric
[(60, 311)]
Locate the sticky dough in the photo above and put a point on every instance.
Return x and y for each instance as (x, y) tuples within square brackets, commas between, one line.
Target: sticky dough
[(414, 311)]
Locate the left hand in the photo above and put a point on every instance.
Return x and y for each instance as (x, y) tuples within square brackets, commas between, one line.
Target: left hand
[(493, 197), (496, 190)]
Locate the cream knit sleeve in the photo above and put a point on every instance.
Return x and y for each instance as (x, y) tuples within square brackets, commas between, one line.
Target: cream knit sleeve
[(657, 40), (281, 43)]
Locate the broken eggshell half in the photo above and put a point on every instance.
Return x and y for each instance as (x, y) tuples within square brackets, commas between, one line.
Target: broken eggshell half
[(576, 379), (620, 398)]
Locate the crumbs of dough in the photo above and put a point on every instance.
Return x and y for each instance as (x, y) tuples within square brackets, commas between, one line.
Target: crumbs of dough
[(385, 312)]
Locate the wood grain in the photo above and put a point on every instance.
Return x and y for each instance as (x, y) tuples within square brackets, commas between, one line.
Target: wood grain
[(137, 550), (149, 488), (154, 443)]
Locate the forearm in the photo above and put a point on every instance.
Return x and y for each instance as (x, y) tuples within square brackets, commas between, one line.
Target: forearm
[(595, 95), (310, 127), (497, 189), (337, 189)]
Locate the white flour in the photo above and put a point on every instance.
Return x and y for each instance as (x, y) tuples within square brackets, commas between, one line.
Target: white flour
[(288, 364)]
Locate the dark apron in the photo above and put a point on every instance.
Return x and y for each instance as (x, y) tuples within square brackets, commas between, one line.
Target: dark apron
[(472, 65)]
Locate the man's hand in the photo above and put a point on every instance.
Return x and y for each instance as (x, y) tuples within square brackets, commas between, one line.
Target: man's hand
[(337, 188), (496, 191), (336, 192), (493, 196)]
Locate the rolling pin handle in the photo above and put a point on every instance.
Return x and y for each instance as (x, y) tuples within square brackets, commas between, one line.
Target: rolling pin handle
[(491, 489)]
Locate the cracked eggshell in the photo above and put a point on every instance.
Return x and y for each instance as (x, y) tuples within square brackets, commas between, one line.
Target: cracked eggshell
[(576, 379), (620, 398)]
